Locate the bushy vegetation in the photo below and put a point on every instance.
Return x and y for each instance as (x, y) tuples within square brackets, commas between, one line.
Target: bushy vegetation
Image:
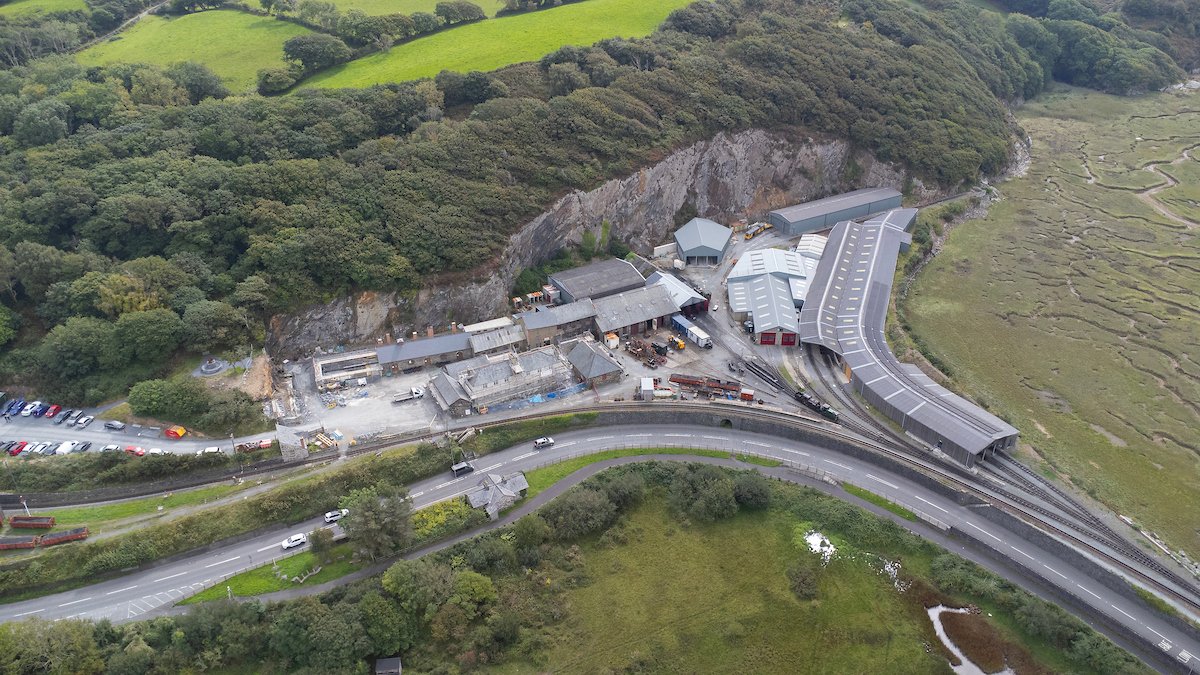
[(92, 470), (185, 400)]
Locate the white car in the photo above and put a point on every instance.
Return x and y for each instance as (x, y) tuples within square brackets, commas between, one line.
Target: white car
[(334, 516), (294, 541), (110, 448), (29, 408), (155, 451), (84, 421), (66, 448), (210, 450), (543, 442)]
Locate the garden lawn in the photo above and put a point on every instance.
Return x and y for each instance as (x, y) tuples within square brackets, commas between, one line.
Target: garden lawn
[(263, 580), (20, 7), (234, 45), (494, 43)]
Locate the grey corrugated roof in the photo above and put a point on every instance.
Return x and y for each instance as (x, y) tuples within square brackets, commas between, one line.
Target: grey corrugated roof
[(835, 203), (767, 261), (598, 279), (557, 315), (494, 339), (702, 232), (590, 361), (846, 312), (768, 299), (681, 293), (626, 309), (413, 350)]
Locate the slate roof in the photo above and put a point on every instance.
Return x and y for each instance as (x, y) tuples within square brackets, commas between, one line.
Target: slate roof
[(447, 391), (598, 279), (630, 307), (496, 492), (557, 315), (412, 350), (681, 293), (702, 233), (835, 203), (590, 360), (495, 339)]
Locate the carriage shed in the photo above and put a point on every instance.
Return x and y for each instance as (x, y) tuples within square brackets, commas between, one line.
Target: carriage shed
[(596, 280), (845, 313), (823, 214), (702, 242)]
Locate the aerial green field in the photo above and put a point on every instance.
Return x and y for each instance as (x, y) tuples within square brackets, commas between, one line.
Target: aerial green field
[(235, 45), (494, 43), (1071, 310), (19, 7)]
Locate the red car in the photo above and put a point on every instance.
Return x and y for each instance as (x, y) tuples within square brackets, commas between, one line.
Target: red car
[(52, 411), (135, 450), (16, 449)]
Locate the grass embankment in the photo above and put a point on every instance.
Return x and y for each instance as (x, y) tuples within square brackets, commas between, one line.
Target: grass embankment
[(877, 500), (508, 435), (20, 7), (540, 479), (495, 43), (104, 516), (1070, 309), (234, 45), (264, 579)]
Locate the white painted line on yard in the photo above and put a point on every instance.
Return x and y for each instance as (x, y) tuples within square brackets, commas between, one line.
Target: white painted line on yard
[(28, 613), (796, 452), (600, 438), (121, 590), (75, 602), (1054, 570), (987, 533), (1089, 592), (830, 461), (494, 466), (521, 457), (1020, 551), (222, 562), (931, 504), (1122, 611), (179, 575), (880, 480)]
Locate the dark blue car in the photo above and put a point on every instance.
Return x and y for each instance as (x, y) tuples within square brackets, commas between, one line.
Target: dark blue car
[(41, 410), (14, 407)]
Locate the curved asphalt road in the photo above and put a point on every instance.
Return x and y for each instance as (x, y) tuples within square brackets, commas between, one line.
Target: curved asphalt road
[(129, 597)]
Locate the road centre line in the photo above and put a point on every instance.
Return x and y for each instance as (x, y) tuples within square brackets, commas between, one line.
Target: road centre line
[(761, 445), (1021, 552), (715, 438), (75, 602), (677, 435), (520, 457), (1054, 570), (222, 562), (33, 612), (1121, 611), (931, 504), (494, 466), (988, 533), (830, 461), (566, 445), (449, 482), (171, 577), (1089, 592), (1147, 628), (600, 438), (417, 494), (265, 548), (121, 590), (639, 435), (876, 478)]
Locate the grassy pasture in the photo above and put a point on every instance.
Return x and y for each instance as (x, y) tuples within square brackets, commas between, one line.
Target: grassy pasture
[(381, 7), (235, 45), (1070, 308), (21, 7), (492, 44)]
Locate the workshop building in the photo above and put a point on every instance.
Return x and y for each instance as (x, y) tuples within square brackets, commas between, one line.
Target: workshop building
[(702, 242), (498, 340), (634, 312), (767, 288), (548, 324), (688, 298), (823, 214), (494, 378), (430, 351), (450, 395), (596, 280), (592, 363)]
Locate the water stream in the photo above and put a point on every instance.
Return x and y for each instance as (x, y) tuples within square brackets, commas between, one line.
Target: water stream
[(967, 667)]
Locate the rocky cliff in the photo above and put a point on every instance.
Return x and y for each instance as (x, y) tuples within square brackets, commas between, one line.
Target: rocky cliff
[(730, 177)]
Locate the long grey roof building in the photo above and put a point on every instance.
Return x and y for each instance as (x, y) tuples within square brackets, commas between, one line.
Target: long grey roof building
[(825, 213), (846, 310), (597, 280)]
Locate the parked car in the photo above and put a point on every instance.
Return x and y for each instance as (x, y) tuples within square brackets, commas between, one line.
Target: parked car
[(135, 450), (14, 406), (17, 448), (63, 417), (53, 410), (543, 442), (74, 417), (83, 447), (114, 425), (294, 541), (41, 409), (155, 451), (29, 408), (110, 448), (334, 516), (66, 447), (210, 450), (8, 445), (84, 421), (49, 449), (461, 469)]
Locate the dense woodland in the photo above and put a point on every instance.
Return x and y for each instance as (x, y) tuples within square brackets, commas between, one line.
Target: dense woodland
[(145, 211)]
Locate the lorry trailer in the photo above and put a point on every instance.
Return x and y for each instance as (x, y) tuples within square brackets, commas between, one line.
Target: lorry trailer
[(691, 331)]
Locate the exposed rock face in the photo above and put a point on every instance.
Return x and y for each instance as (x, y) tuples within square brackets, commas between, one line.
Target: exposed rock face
[(727, 178)]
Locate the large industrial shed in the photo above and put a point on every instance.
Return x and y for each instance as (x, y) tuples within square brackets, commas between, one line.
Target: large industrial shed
[(684, 295), (596, 280), (634, 312), (847, 308), (429, 351), (767, 287), (702, 242), (823, 214), (548, 324)]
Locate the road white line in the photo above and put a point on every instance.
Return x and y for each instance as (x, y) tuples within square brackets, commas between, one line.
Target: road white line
[(417, 494), (830, 461), (796, 452), (639, 435), (222, 562), (179, 575), (75, 602), (121, 590), (677, 435), (987, 533), (566, 445), (880, 480), (1122, 611), (932, 504), (600, 438), (761, 445), (521, 457), (267, 548), (1147, 628), (449, 482), (1089, 592), (139, 605), (1054, 570), (715, 438), (494, 466), (28, 613), (1017, 550)]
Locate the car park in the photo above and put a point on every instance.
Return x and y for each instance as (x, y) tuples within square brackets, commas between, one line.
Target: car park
[(543, 442), (84, 421), (83, 447), (29, 408), (41, 409), (294, 541), (135, 450), (66, 447), (63, 417), (111, 448), (17, 448), (53, 410), (334, 516), (114, 425)]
